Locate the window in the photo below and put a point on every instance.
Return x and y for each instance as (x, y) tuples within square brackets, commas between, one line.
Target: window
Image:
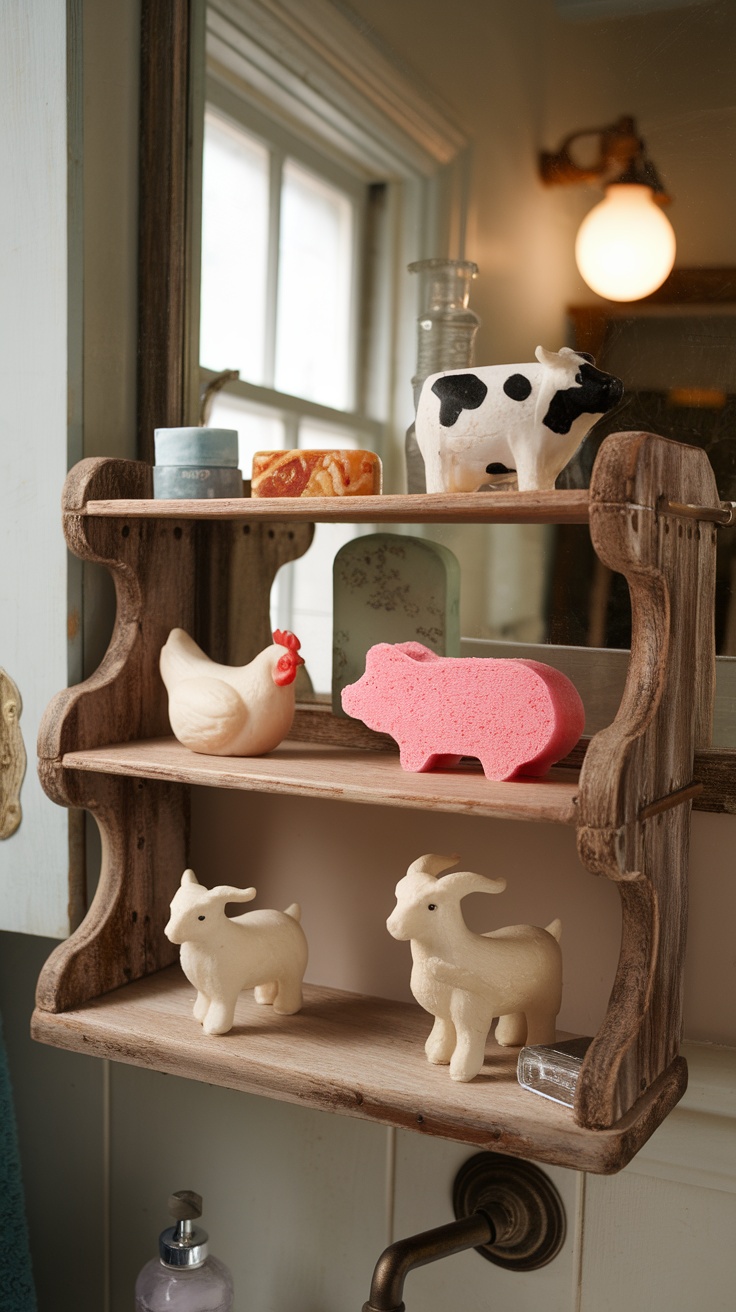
[(281, 259), (281, 274), (321, 182)]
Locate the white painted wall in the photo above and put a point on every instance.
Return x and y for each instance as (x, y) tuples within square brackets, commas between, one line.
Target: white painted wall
[(298, 1202), (41, 426), (519, 78)]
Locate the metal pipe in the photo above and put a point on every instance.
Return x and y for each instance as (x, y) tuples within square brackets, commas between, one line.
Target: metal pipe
[(395, 1263)]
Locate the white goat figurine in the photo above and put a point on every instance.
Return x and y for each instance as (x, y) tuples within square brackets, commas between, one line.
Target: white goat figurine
[(464, 979), (265, 950)]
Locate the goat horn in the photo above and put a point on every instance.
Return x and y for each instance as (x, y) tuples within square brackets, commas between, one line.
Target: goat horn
[(226, 893), (188, 877), (432, 864), (466, 881)]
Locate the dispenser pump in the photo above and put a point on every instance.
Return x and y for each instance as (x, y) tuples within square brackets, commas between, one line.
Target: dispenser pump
[(184, 1244), (185, 1277)]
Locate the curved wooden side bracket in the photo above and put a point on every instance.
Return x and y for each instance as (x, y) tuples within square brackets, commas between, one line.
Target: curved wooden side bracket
[(646, 755), (145, 839), (212, 579)]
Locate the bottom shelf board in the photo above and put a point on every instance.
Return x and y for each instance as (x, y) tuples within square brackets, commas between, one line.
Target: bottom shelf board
[(355, 1055)]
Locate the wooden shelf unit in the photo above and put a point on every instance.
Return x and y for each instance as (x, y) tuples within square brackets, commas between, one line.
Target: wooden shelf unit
[(105, 746)]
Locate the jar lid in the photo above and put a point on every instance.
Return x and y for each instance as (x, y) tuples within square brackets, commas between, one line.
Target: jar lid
[(208, 447)]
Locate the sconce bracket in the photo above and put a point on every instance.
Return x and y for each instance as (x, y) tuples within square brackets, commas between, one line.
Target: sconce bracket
[(621, 158), (530, 1203)]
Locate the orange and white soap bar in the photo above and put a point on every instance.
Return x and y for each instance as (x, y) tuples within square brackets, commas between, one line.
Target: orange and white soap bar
[(315, 474)]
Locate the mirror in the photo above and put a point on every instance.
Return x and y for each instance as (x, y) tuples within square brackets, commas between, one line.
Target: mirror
[(514, 79)]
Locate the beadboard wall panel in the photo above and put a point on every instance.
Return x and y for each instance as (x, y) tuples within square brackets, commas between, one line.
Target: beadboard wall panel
[(294, 1199)]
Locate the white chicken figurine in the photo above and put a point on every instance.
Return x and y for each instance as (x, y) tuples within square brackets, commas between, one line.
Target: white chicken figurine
[(230, 710)]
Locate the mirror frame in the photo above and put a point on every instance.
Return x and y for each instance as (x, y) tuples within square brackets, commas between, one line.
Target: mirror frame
[(172, 33)]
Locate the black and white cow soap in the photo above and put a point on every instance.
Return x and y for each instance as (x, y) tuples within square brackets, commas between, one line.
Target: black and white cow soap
[(526, 417)]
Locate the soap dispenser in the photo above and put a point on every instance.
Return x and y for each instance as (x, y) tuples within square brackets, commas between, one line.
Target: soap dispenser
[(184, 1278)]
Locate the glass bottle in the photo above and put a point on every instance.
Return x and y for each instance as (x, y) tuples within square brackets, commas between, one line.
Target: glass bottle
[(184, 1277), (446, 331)]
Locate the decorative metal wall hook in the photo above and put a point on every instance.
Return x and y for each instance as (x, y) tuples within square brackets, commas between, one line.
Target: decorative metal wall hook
[(12, 756), (507, 1209)]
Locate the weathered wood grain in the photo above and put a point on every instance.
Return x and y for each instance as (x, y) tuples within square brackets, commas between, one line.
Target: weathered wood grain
[(353, 1055), (164, 235), (647, 753), (167, 574), (569, 507), (145, 841), (333, 773), (105, 746)]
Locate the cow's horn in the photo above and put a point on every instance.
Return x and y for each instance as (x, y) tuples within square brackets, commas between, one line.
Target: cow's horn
[(547, 357)]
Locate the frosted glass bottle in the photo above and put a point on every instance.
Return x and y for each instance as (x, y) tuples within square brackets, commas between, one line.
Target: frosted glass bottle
[(184, 1277), (446, 331)]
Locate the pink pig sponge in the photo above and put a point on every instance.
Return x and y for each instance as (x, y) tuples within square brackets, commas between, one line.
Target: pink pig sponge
[(518, 717)]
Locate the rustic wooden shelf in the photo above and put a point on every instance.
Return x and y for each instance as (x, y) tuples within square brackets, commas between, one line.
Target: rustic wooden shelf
[(208, 567), (568, 507), (311, 770), (352, 1054)]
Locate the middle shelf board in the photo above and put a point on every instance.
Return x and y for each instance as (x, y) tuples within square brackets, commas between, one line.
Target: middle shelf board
[(355, 1055), (336, 773)]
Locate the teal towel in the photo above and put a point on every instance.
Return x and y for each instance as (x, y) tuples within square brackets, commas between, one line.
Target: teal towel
[(17, 1293)]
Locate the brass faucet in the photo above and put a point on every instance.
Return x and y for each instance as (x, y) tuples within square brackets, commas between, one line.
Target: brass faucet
[(506, 1209)]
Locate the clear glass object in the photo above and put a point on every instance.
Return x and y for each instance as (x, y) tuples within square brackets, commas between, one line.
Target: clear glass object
[(184, 1277), (625, 247), (552, 1069), (208, 1288), (446, 330)]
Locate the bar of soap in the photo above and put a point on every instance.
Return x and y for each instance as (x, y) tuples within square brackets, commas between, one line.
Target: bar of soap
[(516, 716), (315, 474)]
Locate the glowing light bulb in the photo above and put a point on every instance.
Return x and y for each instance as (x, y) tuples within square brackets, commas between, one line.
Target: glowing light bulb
[(625, 247)]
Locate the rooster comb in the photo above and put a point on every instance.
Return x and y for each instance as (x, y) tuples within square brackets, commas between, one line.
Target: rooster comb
[(286, 639)]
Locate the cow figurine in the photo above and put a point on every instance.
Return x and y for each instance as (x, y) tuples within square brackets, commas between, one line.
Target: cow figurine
[(472, 423), (516, 716)]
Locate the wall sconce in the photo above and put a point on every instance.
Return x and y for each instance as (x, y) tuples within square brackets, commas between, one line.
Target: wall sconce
[(625, 247)]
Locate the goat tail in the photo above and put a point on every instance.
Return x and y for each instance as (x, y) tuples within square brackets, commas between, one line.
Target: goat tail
[(294, 911), (555, 929)]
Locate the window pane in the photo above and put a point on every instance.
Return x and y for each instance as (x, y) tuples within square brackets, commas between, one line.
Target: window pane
[(257, 430), (323, 437), (235, 190), (314, 322), (302, 599)]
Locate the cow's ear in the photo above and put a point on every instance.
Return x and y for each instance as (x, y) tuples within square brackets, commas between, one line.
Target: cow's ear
[(585, 355)]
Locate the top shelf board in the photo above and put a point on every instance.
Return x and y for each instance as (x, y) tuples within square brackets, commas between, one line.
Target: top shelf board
[(569, 507)]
